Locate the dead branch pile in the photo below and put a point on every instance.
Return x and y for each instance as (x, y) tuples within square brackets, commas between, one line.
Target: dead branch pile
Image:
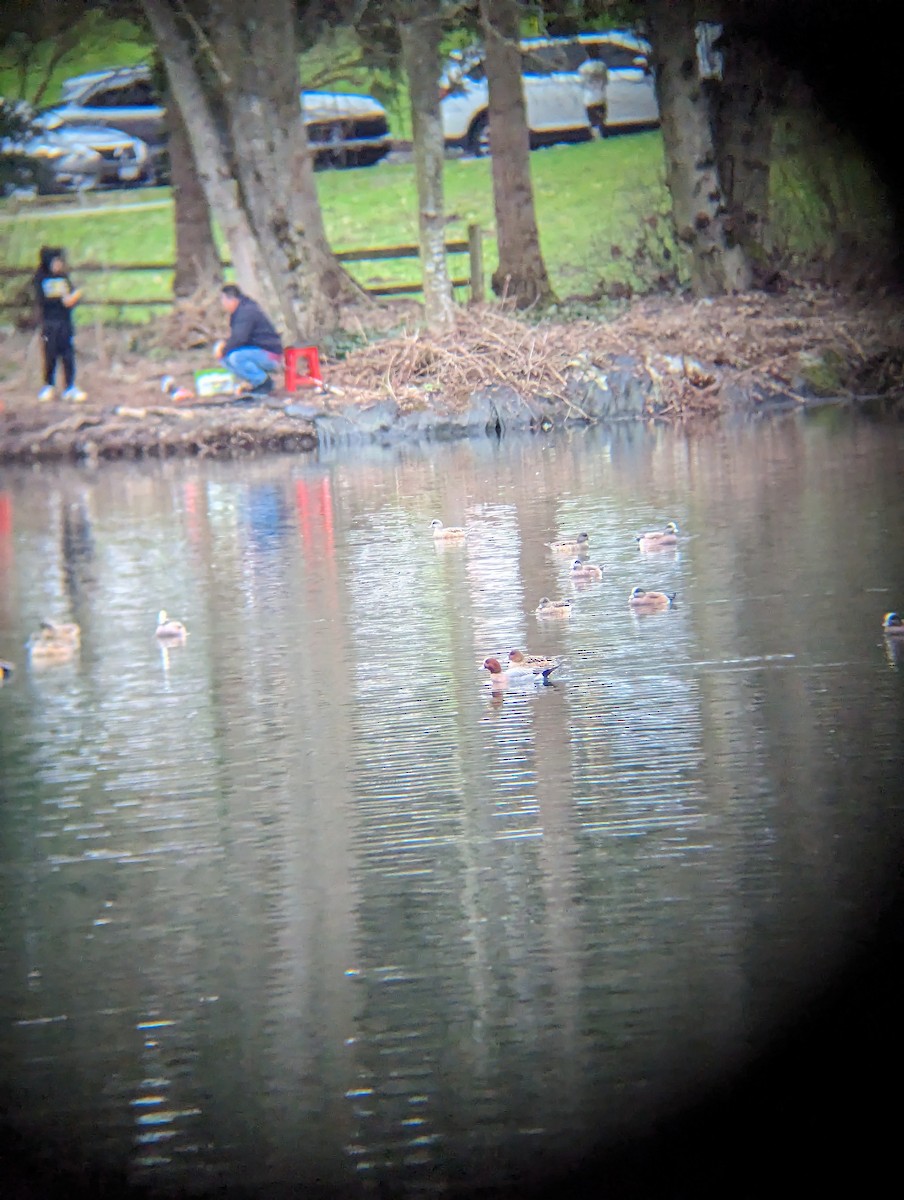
[(753, 337), (193, 321), (757, 335), (485, 346)]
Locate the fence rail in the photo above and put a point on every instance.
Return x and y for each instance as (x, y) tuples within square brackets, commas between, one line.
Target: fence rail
[(472, 246)]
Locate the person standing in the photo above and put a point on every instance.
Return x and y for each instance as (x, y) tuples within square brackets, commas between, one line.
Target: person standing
[(56, 299), (253, 351)]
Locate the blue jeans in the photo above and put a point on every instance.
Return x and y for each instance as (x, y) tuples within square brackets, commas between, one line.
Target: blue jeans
[(252, 364)]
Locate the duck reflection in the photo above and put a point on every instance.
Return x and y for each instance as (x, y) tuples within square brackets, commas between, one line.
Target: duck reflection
[(77, 545)]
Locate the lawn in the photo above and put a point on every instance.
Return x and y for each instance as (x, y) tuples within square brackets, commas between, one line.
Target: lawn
[(601, 188), (601, 206), (601, 209)]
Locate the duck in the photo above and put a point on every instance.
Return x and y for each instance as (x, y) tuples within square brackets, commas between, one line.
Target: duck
[(500, 679), (169, 629), (651, 600), (446, 533), (581, 570), (535, 664), (6, 669), (575, 545), (47, 646), (658, 539), (553, 608), (893, 625), (63, 631)]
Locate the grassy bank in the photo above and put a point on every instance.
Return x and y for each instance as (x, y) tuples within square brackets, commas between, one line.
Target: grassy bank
[(601, 208), (588, 198)]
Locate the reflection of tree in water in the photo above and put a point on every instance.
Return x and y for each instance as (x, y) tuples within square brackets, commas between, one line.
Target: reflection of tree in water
[(77, 541)]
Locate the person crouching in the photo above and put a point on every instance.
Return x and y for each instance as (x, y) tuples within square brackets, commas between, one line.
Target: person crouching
[(253, 351)]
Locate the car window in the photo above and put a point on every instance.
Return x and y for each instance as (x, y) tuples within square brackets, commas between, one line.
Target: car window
[(129, 95), (548, 60), (613, 55)]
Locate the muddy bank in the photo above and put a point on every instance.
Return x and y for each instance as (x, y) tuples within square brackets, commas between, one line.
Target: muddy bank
[(663, 359), (623, 391)]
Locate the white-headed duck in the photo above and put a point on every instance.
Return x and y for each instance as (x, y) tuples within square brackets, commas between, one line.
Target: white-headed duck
[(536, 664), (585, 571), (553, 608), (500, 679), (650, 600), (169, 629), (893, 625), (659, 539), (447, 533), (575, 545)]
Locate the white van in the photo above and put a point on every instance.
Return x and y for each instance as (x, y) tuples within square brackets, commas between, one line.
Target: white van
[(571, 86)]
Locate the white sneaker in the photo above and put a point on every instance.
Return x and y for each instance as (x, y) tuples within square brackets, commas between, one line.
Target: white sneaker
[(46, 393), (76, 395)]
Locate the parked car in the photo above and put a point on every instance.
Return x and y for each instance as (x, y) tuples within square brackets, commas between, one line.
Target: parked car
[(571, 86), (345, 130), (53, 157)]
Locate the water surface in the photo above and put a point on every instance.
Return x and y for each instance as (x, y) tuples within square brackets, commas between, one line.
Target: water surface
[(302, 898)]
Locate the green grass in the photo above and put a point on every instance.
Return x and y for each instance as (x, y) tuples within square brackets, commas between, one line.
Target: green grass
[(601, 206), (588, 197)]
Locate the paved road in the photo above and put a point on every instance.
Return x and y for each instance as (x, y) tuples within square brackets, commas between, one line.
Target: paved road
[(79, 210)]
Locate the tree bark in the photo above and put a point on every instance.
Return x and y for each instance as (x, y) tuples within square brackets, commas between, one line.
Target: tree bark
[(420, 29), (743, 121), (214, 170), (256, 49), (253, 160), (521, 275), (197, 258), (699, 206)]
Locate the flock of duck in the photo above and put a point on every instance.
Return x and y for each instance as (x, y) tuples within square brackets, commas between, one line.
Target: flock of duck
[(56, 642), (539, 666)]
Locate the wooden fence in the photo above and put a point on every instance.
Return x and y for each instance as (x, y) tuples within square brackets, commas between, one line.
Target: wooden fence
[(472, 246)]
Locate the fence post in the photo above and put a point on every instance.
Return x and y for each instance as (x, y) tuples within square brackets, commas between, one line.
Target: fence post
[(475, 260)]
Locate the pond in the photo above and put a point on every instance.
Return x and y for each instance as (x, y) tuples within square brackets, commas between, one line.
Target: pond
[(304, 898)]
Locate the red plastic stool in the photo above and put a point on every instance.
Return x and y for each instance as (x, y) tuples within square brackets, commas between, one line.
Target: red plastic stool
[(294, 355)]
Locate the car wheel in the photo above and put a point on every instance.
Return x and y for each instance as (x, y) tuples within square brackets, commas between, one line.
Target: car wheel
[(478, 142)]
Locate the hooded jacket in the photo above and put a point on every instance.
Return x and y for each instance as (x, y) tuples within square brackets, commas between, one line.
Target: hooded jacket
[(50, 289), (248, 326)]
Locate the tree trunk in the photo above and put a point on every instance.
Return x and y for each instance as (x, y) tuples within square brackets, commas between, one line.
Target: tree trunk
[(214, 171), (699, 209), (521, 275), (256, 50), (253, 162), (744, 117), (197, 258), (420, 28)]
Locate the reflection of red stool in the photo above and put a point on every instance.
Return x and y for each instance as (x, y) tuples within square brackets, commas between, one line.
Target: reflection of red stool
[(306, 355)]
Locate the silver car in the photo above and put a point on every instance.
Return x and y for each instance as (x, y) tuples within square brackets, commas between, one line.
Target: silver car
[(55, 157), (344, 129)]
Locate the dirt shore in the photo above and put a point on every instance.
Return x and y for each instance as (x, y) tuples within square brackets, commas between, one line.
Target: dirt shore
[(675, 358)]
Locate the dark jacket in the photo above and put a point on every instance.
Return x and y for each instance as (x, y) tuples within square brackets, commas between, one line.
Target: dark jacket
[(249, 327), (50, 290)]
